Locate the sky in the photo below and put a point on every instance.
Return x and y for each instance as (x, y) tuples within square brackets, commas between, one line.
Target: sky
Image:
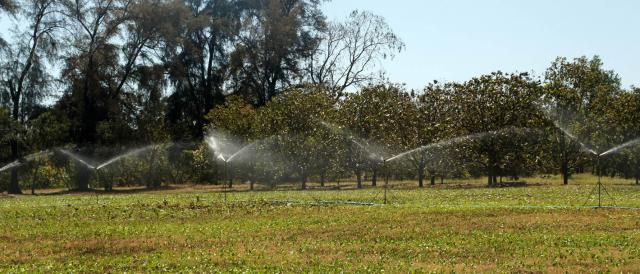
[(454, 40)]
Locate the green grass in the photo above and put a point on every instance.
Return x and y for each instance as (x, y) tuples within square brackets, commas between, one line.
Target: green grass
[(460, 226)]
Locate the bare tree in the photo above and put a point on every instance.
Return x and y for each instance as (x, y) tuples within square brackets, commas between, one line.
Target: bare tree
[(350, 50)]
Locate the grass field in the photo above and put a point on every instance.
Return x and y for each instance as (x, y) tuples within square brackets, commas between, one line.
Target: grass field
[(460, 226)]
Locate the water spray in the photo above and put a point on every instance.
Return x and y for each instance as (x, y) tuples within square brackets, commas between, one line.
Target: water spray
[(227, 159), (599, 188), (97, 167), (25, 159)]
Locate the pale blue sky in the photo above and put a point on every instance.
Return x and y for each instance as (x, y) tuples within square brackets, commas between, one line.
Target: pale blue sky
[(459, 39)]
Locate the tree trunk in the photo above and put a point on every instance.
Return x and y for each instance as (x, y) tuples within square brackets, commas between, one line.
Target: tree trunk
[(83, 175), (272, 183), (304, 182), (34, 179), (564, 168), (230, 174), (14, 186), (491, 179), (442, 180), (420, 177), (359, 178), (108, 182), (322, 178), (157, 183), (433, 180), (492, 171), (374, 176)]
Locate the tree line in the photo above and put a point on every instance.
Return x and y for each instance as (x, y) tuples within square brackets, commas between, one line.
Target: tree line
[(120, 72), (100, 76)]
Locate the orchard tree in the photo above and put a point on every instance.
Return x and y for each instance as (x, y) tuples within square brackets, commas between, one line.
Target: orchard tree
[(238, 119), (432, 122), (577, 95), (489, 104), (376, 115), (626, 112), (235, 117), (294, 119)]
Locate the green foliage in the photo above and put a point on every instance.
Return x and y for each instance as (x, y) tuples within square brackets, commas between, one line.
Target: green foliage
[(581, 96), (489, 104), (235, 117), (294, 119), (204, 169), (48, 130)]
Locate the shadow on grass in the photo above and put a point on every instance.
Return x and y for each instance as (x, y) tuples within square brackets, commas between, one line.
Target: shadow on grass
[(115, 191), (284, 187), (521, 184)]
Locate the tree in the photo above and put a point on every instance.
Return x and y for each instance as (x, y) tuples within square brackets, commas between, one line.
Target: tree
[(238, 119), (24, 77), (278, 35), (94, 25), (625, 111), (197, 55), (110, 60), (348, 51), (432, 122), (6, 135), (294, 119), (487, 105), (578, 93), (376, 115)]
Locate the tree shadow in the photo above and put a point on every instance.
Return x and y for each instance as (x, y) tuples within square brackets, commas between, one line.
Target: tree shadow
[(115, 191)]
